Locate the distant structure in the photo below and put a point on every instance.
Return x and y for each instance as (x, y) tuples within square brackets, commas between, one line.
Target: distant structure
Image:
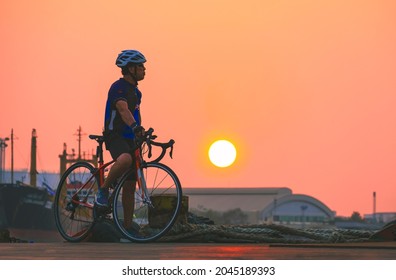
[(261, 205), (374, 204), (33, 159), (3, 145), (67, 159), (381, 217)]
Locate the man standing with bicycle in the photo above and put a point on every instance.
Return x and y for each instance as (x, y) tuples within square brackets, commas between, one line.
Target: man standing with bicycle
[(122, 124)]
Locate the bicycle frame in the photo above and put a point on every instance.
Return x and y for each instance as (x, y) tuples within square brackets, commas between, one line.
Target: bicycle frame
[(138, 161), (100, 170), (140, 177)]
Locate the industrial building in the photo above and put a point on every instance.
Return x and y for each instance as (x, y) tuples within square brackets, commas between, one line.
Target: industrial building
[(261, 205)]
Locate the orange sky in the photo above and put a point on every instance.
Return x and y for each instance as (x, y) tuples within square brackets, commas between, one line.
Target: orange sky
[(304, 89)]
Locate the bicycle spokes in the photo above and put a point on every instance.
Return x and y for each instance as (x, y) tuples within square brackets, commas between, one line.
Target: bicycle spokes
[(74, 201), (158, 185)]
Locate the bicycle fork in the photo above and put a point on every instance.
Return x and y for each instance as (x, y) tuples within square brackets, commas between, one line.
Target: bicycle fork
[(143, 188)]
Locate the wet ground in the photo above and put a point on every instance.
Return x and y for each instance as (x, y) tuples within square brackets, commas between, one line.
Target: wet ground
[(196, 251), (47, 245)]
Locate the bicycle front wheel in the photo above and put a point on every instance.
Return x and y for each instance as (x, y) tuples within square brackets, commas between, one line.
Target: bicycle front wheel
[(153, 213), (74, 201)]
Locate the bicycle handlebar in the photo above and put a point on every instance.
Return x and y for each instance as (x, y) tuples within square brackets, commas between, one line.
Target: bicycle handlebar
[(148, 139)]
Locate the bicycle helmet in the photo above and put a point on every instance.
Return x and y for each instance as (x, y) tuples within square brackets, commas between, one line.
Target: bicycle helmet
[(130, 56)]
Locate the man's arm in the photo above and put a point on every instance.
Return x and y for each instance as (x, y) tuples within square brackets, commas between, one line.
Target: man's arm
[(126, 115)]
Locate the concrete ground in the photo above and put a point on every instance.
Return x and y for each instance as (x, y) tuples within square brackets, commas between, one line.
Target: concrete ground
[(196, 251)]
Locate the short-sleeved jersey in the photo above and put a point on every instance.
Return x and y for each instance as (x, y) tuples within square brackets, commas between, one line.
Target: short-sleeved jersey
[(122, 90)]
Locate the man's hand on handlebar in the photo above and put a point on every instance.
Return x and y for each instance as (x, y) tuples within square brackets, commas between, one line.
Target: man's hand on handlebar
[(146, 136), (139, 131)]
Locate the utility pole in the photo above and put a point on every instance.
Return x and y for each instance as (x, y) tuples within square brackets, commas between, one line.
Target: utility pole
[(3, 145), (12, 156), (33, 166), (375, 206), (79, 134), (66, 158)]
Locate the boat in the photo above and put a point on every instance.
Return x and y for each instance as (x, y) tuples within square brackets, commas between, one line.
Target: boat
[(29, 206), (25, 206)]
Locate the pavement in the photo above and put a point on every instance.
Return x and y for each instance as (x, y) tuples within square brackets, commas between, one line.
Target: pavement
[(49, 245), (196, 251)]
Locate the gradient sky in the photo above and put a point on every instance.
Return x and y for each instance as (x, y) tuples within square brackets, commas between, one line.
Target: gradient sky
[(306, 89)]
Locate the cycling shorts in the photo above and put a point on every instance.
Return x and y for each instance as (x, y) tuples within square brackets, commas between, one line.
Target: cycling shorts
[(118, 145)]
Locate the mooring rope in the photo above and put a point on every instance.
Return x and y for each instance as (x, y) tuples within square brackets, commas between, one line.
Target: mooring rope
[(270, 233), (262, 234)]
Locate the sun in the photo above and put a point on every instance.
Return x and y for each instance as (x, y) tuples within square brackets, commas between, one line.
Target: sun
[(222, 153)]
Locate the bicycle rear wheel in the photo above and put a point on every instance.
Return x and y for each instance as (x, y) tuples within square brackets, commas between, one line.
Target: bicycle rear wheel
[(150, 221), (74, 201)]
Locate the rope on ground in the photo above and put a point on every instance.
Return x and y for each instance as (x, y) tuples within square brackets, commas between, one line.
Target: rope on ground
[(262, 234)]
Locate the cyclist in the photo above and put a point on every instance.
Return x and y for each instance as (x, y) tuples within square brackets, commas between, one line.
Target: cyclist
[(122, 123)]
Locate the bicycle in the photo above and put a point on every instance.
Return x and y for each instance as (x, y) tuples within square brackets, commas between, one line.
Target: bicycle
[(76, 212)]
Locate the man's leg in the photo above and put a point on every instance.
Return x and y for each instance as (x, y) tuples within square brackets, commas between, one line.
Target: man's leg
[(128, 202), (123, 162)]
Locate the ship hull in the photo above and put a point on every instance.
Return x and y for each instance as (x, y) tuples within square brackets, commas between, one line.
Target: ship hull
[(25, 207)]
